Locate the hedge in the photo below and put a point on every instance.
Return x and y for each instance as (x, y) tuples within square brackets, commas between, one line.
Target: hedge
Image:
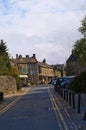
[(78, 85)]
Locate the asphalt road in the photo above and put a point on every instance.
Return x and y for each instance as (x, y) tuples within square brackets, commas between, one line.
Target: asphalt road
[(36, 110)]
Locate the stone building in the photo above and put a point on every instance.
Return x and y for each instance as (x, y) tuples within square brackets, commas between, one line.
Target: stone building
[(59, 70), (46, 72), (73, 67), (27, 67), (31, 71)]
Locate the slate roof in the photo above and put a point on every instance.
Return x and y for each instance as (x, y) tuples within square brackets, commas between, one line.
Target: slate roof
[(24, 60), (72, 58)]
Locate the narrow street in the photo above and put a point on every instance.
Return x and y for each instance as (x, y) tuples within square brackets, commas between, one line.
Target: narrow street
[(37, 109)]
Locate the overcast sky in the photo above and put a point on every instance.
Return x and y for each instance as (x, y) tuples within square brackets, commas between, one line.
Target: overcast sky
[(47, 28)]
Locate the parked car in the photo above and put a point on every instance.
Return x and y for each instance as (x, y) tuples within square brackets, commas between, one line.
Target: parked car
[(63, 82), (58, 82), (66, 81), (54, 81)]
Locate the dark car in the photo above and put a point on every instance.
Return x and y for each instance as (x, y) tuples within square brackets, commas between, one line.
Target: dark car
[(54, 81), (63, 82), (67, 81), (58, 82)]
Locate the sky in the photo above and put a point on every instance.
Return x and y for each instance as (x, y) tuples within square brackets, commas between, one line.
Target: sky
[(47, 28)]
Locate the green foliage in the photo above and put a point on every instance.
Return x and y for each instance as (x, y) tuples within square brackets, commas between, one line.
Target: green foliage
[(14, 72), (3, 48), (82, 29), (4, 59), (79, 49), (78, 85), (5, 66)]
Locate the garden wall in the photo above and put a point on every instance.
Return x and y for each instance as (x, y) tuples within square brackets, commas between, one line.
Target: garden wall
[(8, 85)]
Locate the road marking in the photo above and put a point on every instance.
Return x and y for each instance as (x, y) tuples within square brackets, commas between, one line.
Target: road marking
[(59, 113), (51, 99), (9, 105), (67, 114)]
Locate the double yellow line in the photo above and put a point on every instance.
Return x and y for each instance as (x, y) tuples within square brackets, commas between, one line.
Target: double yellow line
[(9, 105), (59, 116)]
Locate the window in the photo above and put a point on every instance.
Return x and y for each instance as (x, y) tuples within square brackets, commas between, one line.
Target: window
[(32, 72)]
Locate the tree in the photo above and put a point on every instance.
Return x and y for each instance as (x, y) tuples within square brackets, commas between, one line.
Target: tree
[(3, 48), (79, 49), (14, 72), (4, 59), (82, 29), (78, 85)]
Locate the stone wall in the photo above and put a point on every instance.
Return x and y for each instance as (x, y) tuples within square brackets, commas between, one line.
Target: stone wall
[(8, 85)]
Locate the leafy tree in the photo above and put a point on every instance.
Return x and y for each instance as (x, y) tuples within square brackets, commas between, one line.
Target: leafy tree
[(79, 83), (5, 65), (82, 29), (4, 59), (79, 49), (3, 48)]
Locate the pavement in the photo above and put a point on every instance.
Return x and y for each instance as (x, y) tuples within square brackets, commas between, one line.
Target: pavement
[(76, 119)]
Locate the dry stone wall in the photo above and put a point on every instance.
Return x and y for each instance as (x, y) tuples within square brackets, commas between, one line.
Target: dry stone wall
[(8, 85)]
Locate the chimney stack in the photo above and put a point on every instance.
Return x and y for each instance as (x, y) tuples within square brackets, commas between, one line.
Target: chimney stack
[(16, 56), (44, 61), (34, 56), (20, 56), (27, 56)]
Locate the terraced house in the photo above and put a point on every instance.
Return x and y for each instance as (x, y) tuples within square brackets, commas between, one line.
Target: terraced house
[(32, 71), (46, 72)]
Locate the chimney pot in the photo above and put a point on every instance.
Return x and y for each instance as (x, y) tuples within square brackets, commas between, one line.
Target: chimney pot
[(20, 56), (34, 56), (16, 56), (27, 56), (44, 61)]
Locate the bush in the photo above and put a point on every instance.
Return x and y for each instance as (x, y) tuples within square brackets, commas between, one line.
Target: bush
[(78, 85), (14, 73)]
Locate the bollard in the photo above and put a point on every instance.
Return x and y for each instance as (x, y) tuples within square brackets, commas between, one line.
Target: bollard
[(69, 98), (64, 94), (1, 96), (61, 92), (84, 115), (79, 99), (67, 95), (73, 100)]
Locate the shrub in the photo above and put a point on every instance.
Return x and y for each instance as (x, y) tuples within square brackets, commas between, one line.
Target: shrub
[(79, 83)]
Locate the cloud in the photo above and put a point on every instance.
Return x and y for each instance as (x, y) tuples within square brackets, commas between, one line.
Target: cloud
[(47, 28)]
